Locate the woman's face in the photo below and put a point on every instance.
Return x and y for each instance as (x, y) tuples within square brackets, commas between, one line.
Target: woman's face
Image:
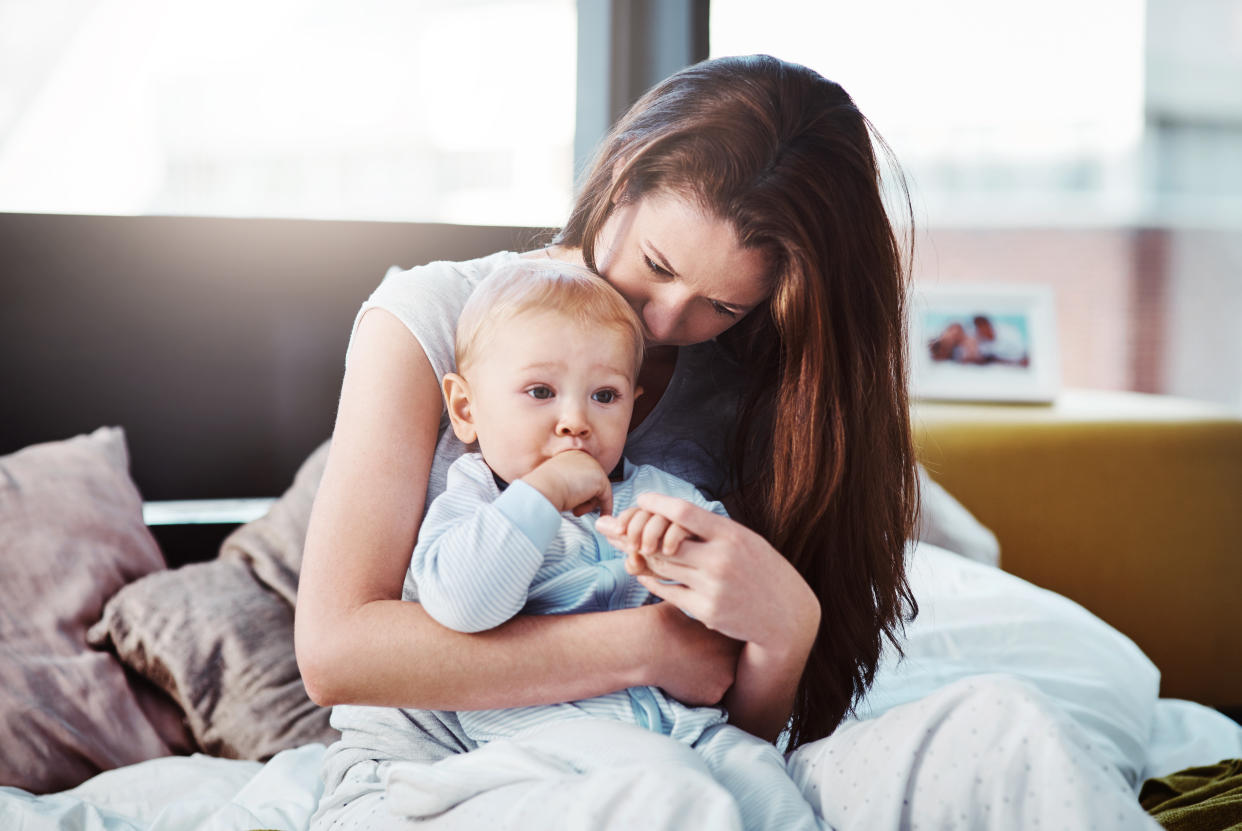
[(681, 270)]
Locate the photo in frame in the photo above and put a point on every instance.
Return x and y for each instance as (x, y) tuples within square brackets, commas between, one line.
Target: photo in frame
[(983, 342)]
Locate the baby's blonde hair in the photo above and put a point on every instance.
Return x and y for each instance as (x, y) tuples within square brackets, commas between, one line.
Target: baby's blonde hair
[(542, 285)]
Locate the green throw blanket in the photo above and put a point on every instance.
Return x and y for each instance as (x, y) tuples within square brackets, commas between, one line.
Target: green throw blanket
[(1207, 798)]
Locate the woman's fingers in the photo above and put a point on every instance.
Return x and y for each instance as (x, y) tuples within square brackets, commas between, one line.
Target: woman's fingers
[(680, 596), (673, 538), (672, 568), (698, 521)]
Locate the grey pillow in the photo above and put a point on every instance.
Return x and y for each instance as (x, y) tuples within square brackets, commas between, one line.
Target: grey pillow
[(71, 535), (271, 546), (221, 644), (218, 636)]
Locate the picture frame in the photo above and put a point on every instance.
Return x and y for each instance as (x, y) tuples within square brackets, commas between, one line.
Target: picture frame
[(984, 342)]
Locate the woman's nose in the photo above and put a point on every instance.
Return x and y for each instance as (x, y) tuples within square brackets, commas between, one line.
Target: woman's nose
[(663, 314)]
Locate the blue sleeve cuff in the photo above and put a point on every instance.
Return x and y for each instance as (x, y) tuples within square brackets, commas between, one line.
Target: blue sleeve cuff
[(530, 512)]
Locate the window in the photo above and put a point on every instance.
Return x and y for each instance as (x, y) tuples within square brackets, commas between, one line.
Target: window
[(400, 110), (995, 110)]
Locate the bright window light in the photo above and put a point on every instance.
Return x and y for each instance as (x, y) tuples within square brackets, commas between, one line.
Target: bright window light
[(373, 109), (978, 99)]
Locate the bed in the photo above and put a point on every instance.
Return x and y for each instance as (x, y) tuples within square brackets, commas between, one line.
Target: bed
[(168, 386)]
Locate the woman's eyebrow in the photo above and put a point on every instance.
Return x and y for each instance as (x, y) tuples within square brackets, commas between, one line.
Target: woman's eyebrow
[(662, 260)]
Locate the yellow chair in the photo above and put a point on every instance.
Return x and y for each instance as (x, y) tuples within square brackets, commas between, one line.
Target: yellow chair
[(1129, 504)]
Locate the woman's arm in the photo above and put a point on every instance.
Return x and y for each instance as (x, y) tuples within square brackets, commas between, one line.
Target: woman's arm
[(762, 696), (733, 581), (357, 642)]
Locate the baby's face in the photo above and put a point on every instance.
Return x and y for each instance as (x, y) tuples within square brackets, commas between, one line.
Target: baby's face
[(545, 384)]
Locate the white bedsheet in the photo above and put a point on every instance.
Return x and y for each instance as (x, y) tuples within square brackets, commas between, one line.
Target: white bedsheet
[(975, 619), (200, 793), (179, 793), (1185, 735)]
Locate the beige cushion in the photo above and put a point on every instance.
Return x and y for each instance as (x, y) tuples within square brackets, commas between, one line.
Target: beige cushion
[(1129, 504), (71, 535), (218, 636)]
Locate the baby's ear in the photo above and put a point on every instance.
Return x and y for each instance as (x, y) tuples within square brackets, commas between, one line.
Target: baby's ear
[(457, 399), (638, 393)]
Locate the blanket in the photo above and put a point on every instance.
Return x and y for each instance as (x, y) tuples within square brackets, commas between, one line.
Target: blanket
[(179, 793), (1207, 798)]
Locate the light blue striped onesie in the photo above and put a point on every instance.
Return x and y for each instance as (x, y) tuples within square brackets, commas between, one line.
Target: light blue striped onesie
[(485, 555)]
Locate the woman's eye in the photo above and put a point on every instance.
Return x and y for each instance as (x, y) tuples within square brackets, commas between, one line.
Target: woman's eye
[(722, 309), (604, 396), (655, 267), (541, 393)]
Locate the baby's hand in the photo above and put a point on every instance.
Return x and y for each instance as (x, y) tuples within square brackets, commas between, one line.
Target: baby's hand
[(639, 533), (573, 481)]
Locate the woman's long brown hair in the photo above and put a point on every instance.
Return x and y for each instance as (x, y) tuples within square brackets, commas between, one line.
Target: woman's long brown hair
[(824, 460)]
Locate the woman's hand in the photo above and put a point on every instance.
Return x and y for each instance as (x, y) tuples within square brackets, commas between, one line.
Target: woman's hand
[(730, 579), (645, 533), (689, 661), (727, 576)]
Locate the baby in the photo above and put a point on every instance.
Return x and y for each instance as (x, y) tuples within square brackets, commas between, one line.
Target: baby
[(547, 357)]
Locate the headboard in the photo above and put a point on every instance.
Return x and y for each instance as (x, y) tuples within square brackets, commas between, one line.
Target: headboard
[(218, 344)]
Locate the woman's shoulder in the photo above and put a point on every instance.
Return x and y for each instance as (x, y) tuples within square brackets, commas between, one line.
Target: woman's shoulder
[(444, 280), (428, 300)]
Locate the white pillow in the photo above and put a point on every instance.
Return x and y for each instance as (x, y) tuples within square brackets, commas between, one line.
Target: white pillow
[(975, 620), (1186, 735), (945, 522)]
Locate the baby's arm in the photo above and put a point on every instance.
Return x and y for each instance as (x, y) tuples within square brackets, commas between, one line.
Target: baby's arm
[(476, 557)]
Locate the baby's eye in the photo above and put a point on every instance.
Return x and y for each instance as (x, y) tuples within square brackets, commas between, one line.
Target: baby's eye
[(605, 396), (540, 393)]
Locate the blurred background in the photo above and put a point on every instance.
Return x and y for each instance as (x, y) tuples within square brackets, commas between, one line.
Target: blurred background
[(1091, 145)]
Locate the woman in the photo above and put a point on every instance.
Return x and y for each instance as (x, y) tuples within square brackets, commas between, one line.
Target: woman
[(737, 207)]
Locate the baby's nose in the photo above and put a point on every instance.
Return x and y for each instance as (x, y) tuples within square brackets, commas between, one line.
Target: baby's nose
[(572, 423)]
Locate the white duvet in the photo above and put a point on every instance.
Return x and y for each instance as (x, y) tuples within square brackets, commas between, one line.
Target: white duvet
[(975, 619), (179, 793)]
